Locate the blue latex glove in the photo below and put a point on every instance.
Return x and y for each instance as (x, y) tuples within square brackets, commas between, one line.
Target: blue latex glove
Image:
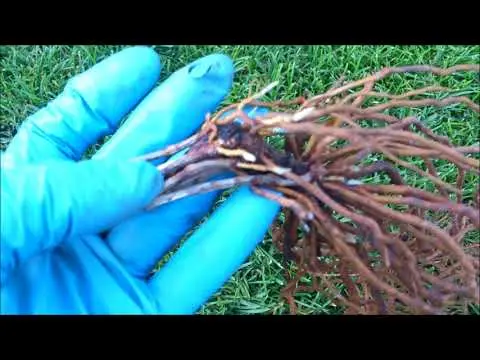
[(75, 238)]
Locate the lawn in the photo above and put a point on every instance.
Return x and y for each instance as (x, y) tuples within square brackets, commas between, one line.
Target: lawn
[(32, 75)]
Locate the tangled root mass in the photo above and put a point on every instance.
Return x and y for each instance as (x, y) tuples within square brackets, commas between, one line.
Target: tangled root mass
[(394, 244)]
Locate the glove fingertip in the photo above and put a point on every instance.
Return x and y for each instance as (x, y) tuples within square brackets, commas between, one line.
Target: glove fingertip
[(213, 253), (148, 180)]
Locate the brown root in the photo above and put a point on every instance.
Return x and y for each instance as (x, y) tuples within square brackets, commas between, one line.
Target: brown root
[(395, 247)]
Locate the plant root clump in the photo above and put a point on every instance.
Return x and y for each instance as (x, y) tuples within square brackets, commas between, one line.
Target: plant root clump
[(367, 211)]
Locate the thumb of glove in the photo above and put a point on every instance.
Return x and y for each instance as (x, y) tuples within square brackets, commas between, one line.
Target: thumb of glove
[(43, 205)]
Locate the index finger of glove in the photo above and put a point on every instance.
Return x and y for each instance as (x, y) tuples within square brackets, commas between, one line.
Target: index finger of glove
[(92, 105)]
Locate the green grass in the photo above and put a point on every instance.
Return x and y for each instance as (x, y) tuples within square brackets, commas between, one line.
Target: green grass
[(30, 76)]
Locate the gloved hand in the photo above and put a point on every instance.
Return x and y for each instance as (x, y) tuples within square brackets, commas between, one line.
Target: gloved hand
[(75, 238)]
